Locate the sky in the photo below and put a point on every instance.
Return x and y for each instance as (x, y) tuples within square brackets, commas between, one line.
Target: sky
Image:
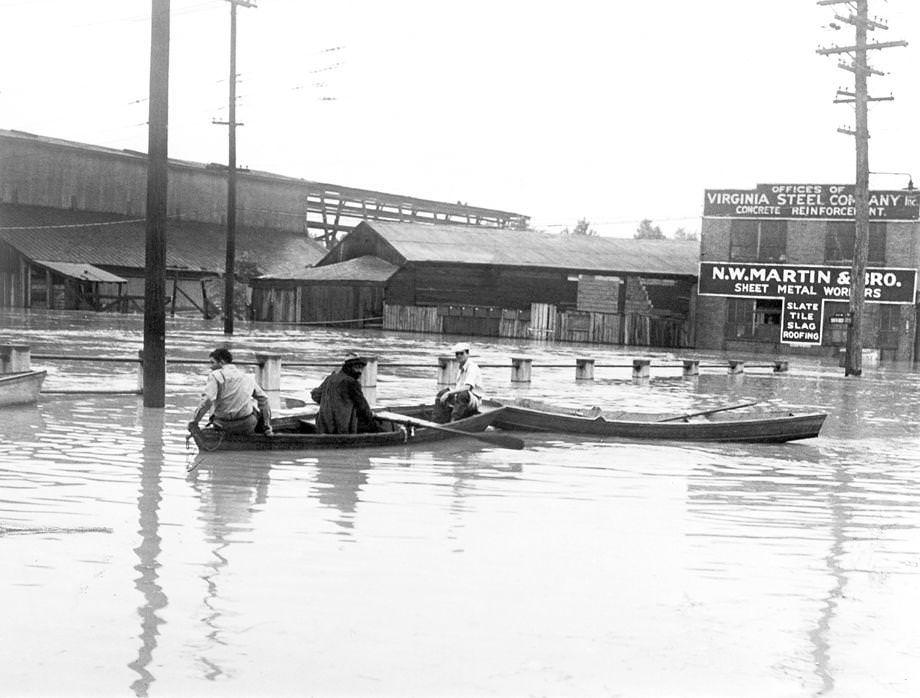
[(607, 111)]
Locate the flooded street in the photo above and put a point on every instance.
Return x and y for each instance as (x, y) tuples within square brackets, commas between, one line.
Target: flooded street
[(575, 567)]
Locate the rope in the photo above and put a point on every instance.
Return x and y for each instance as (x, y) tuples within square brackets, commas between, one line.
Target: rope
[(71, 225)]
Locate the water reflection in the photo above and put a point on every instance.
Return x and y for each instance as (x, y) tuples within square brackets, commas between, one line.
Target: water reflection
[(148, 503), (229, 487), (339, 486)]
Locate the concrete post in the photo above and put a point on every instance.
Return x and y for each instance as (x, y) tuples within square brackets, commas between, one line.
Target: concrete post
[(140, 371), (448, 368), (268, 376), (691, 367), (368, 380), (641, 370), (584, 369), (520, 369), (735, 367), (780, 367), (15, 358)]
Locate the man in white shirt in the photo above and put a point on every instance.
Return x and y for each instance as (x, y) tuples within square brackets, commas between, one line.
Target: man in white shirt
[(231, 392), (467, 394)]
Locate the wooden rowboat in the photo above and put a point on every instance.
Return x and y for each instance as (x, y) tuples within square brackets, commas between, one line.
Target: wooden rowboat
[(762, 428), (297, 432), (20, 388)]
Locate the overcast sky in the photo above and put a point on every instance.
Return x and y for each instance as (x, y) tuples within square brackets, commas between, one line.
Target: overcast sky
[(610, 111)]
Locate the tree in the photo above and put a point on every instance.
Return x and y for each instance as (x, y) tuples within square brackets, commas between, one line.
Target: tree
[(683, 234), (647, 231), (583, 227)]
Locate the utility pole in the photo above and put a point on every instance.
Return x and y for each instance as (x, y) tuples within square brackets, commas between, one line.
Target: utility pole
[(860, 99), (230, 270), (154, 357)]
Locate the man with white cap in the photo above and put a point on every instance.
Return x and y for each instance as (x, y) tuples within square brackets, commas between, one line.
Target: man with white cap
[(467, 394)]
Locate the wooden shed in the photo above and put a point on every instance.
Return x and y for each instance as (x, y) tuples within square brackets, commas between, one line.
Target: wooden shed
[(457, 279)]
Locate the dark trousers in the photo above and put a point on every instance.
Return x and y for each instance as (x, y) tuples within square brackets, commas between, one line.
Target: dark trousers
[(456, 407)]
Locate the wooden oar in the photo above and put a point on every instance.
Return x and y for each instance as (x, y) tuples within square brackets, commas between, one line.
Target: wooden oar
[(494, 439), (705, 412)]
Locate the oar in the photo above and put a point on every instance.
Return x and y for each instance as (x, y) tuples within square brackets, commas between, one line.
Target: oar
[(494, 439), (701, 414)]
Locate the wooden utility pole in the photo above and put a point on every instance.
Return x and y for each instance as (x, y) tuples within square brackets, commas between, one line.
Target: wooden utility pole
[(155, 276), (860, 99), (230, 267)]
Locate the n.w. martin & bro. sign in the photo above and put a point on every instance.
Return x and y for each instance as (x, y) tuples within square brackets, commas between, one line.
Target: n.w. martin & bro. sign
[(803, 289)]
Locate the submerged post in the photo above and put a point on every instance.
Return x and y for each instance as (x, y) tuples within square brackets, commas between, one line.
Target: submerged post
[(448, 368), (780, 367), (584, 369), (641, 369), (520, 369), (15, 358), (735, 367), (368, 380), (268, 376), (691, 368)]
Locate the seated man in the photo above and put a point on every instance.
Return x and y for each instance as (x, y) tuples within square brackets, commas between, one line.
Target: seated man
[(231, 392), (343, 409), (465, 397)]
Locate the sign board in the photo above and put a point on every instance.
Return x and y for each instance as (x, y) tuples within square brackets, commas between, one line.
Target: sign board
[(803, 289), (840, 319), (809, 201)]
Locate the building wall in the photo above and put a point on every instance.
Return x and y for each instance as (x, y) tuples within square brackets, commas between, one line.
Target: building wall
[(805, 245), (39, 173)]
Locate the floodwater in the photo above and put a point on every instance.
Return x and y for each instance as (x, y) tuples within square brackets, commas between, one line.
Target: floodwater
[(576, 567)]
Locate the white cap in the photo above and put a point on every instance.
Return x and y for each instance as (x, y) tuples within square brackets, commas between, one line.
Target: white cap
[(461, 346)]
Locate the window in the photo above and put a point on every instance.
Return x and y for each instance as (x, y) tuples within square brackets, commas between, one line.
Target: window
[(758, 241), (753, 319), (841, 240)]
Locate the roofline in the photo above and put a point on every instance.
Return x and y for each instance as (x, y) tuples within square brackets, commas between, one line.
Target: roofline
[(568, 270), (260, 175)]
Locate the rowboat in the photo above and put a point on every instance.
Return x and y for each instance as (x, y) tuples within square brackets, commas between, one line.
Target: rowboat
[(760, 428), (398, 426), (20, 388)]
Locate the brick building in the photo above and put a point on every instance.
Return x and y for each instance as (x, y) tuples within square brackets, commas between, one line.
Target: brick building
[(775, 264)]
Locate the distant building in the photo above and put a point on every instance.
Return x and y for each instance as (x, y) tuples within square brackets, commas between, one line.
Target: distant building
[(72, 233), (775, 269), (465, 280)]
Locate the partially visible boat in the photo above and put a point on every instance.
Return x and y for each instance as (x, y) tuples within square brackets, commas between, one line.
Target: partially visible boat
[(21, 388), (776, 427), (297, 431)]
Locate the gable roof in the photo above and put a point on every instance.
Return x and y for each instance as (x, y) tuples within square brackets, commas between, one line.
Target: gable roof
[(420, 243), (366, 269), (109, 240)]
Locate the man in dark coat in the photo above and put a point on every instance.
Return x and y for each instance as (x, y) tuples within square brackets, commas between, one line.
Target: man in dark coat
[(343, 409)]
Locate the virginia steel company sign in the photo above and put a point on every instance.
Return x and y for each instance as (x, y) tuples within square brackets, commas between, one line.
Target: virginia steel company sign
[(821, 201), (803, 290)]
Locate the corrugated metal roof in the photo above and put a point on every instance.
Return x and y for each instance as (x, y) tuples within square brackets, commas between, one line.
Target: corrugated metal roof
[(83, 271), (417, 242), (366, 269), (103, 239)]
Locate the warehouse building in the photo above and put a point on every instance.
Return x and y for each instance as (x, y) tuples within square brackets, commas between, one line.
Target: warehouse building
[(464, 280), (775, 267)]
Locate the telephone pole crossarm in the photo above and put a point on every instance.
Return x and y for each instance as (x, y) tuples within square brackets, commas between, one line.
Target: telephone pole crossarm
[(853, 49)]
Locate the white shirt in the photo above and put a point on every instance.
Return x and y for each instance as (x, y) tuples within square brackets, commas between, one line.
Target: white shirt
[(231, 391), (470, 375)]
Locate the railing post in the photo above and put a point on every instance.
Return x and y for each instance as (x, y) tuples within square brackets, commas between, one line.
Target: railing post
[(735, 367), (16, 358), (448, 368), (369, 380), (268, 376), (584, 369), (140, 371), (641, 369), (520, 369), (691, 367), (780, 367)]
